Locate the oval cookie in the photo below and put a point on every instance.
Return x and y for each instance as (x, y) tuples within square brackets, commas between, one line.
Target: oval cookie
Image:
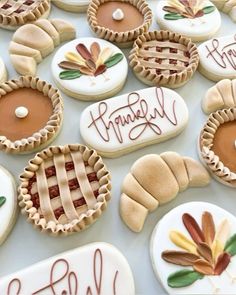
[(89, 69), (218, 59), (8, 203), (193, 250), (96, 268), (128, 122), (72, 5)]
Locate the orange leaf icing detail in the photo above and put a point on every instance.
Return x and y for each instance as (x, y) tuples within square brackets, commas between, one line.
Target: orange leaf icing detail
[(193, 228), (208, 227), (180, 257), (95, 50), (68, 65), (205, 251), (222, 263), (101, 69), (204, 267)]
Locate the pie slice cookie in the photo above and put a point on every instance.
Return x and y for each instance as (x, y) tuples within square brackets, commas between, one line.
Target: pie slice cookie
[(64, 189), (3, 71), (199, 20), (164, 58), (31, 43), (72, 5), (17, 13), (23, 128)]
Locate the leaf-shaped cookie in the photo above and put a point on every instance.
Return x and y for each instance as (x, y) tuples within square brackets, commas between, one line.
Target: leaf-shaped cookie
[(183, 278), (182, 241), (179, 257), (193, 228)]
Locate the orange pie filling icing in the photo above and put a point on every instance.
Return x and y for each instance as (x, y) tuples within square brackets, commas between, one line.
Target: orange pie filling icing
[(39, 108)]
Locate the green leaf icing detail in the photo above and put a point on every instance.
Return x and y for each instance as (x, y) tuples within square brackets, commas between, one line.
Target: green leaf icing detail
[(113, 60), (230, 246), (173, 16), (2, 201), (70, 75), (183, 278), (208, 9)]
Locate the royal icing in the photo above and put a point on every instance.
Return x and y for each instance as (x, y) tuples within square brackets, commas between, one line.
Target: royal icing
[(133, 120), (3, 74), (198, 20), (218, 57), (89, 67), (8, 203), (97, 268), (197, 250), (73, 2)]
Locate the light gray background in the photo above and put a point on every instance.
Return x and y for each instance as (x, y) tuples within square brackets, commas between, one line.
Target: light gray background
[(26, 246)]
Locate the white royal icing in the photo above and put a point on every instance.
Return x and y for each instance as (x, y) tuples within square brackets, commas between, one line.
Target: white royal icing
[(118, 14), (96, 268), (74, 2), (8, 209), (2, 71), (199, 28), (160, 242), (21, 112), (218, 56), (86, 85), (147, 115)]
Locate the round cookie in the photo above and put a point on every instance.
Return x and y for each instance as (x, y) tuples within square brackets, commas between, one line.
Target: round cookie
[(193, 250), (8, 203), (3, 72), (89, 69), (198, 20), (72, 5)]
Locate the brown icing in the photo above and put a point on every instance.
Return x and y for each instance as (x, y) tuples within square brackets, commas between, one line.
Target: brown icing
[(40, 109), (224, 144), (105, 11)]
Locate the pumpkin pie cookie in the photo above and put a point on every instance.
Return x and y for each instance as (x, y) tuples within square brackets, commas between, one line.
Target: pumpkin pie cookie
[(64, 189), (23, 128), (119, 21), (3, 71), (90, 69), (72, 5), (217, 145), (198, 20), (17, 13), (164, 58)]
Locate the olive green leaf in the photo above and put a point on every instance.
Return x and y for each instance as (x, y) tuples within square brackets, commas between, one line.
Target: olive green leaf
[(113, 60), (208, 9), (70, 75), (2, 200), (173, 16), (183, 278), (230, 246)]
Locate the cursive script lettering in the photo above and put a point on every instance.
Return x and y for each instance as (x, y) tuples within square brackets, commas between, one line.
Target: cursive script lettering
[(142, 113), (68, 279), (225, 57)]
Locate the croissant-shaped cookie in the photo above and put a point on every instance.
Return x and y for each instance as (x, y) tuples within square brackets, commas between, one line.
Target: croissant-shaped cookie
[(227, 6), (154, 180), (221, 95), (33, 42)]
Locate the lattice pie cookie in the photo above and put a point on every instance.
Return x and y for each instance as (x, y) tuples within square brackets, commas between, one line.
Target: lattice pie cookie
[(164, 58), (64, 189), (17, 13)]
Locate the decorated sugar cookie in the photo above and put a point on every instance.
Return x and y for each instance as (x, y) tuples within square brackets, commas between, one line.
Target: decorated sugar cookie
[(155, 180), (3, 72), (220, 96), (193, 250), (128, 122), (8, 203), (72, 5), (96, 268), (227, 6), (217, 145), (197, 19), (218, 58), (31, 43), (90, 69)]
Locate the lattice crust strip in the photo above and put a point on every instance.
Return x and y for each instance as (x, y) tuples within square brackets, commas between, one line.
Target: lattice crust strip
[(64, 189), (15, 13)]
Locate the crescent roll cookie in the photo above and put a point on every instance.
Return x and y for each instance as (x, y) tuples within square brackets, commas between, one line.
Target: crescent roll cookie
[(8, 203), (72, 5), (3, 72), (31, 43), (221, 95), (155, 180), (227, 6)]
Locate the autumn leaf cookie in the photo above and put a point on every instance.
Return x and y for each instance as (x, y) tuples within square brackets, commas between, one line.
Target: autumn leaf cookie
[(97, 268), (3, 71), (8, 203), (193, 250), (90, 69), (197, 19), (128, 122), (154, 180), (218, 58)]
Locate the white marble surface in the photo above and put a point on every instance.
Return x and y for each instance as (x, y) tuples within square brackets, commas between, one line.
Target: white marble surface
[(26, 245)]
